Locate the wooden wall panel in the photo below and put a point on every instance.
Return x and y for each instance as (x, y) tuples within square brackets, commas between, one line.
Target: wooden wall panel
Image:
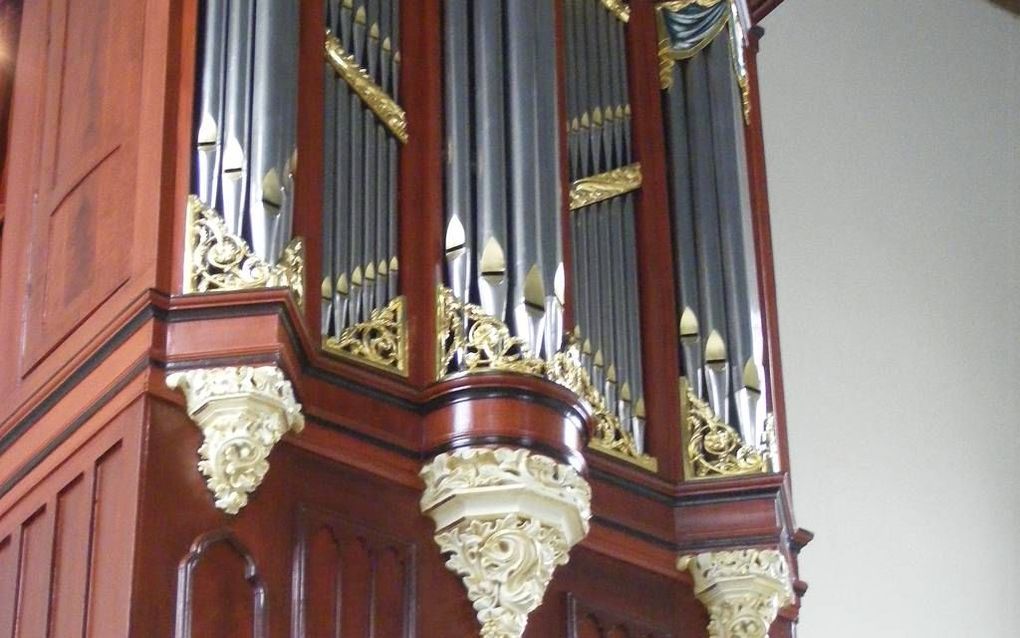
[(585, 621), (370, 589), (66, 546), (85, 189)]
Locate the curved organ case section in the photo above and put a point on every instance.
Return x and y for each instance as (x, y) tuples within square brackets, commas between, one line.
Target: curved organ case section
[(507, 518), (243, 412), (362, 316), (241, 211), (727, 429)]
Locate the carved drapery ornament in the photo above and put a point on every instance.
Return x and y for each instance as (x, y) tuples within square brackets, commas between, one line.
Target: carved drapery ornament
[(743, 590), (380, 342), (215, 259), (242, 412), (507, 518), (713, 448), (469, 340)]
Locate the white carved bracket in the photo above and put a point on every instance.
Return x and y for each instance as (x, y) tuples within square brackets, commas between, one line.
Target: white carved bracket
[(507, 518), (743, 590), (242, 412)]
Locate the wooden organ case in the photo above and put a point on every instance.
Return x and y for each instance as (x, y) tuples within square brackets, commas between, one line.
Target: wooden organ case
[(389, 318)]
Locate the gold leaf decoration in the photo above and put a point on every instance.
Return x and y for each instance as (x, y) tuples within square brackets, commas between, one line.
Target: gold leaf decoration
[(597, 188), (215, 259), (713, 447), (380, 342), (374, 97)]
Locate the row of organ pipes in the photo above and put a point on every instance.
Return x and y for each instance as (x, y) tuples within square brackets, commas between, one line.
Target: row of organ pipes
[(503, 241), (359, 230), (246, 119)]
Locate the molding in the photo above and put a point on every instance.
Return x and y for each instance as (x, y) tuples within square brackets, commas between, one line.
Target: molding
[(374, 97), (597, 188), (242, 412), (743, 590), (380, 342), (715, 449), (469, 340), (507, 518), (216, 260)]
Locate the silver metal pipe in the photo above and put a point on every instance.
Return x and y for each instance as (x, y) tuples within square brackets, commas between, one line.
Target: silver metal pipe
[(457, 99), (287, 64), (236, 116), (356, 187), (490, 155), (209, 140), (370, 175), (633, 321), (345, 103), (329, 188), (265, 192)]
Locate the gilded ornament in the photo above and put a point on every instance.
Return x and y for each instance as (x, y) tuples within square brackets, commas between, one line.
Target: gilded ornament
[(743, 590), (470, 341), (597, 188), (374, 97), (713, 447), (618, 8), (380, 342), (242, 412), (506, 518), (216, 260)]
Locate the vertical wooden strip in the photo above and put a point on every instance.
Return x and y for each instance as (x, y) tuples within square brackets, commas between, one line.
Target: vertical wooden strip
[(356, 587), (221, 597), (72, 536), (308, 193), (421, 180), (755, 145), (655, 251), (112, 546), (321, 586), (9, 552), (34, 569), (390, 606)]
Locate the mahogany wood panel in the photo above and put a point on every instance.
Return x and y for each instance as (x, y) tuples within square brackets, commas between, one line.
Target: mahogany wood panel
[(66, 546), (584, 621)]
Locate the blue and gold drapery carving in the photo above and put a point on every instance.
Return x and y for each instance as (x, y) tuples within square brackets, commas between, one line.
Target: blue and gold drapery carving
[(688, 26)]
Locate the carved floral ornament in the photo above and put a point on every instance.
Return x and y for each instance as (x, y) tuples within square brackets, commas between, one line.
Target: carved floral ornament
[(242, 412), (743, 590), (507, 518)]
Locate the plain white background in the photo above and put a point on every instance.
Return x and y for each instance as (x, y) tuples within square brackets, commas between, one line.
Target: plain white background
[(892, 131)]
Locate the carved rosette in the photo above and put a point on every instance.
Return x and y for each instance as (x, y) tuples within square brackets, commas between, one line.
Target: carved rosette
[(743, 590), (242, 412), (507, 518), (215, 259)]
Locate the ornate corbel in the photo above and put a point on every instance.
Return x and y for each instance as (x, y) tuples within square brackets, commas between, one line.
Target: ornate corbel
[(242, 412), (507, 518), (743, 590)]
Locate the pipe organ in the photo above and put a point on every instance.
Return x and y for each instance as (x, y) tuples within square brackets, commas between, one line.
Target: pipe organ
[(538, 393)]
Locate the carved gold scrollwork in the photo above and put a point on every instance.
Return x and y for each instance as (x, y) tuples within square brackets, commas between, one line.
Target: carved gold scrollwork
[(743, 590), (218, 260), (618, 8), (506, 518), (380, 342), (242, 412), (713, 447), (597, 188), (469, 341), (388, 111)]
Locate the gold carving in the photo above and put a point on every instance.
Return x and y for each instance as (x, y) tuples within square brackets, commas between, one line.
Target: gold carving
[(618, 9), (743, 590), (507, 518), (388, 111), (242, 412), (714, 448), (380, 342), (470, 341), (597, 188), (473, 341), (217, 260)]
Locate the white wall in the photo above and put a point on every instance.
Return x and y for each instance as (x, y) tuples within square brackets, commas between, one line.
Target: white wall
[(892, 131)]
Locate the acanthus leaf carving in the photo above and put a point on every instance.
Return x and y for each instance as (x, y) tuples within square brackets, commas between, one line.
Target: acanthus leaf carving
[(243, 412)]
